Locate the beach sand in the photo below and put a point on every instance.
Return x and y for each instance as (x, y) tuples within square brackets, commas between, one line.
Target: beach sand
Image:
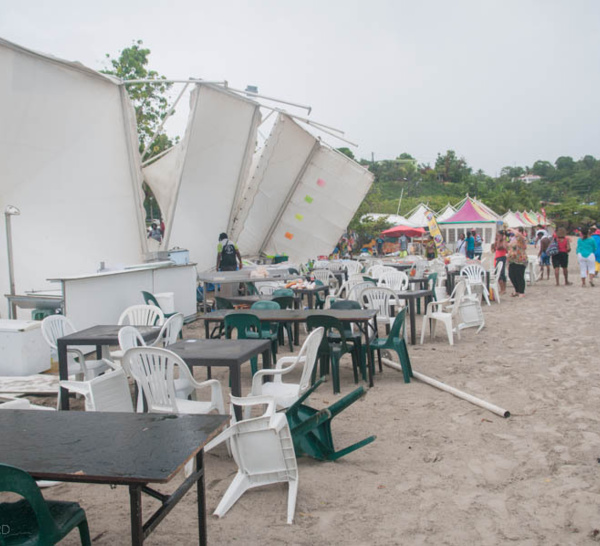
[(442, 471)]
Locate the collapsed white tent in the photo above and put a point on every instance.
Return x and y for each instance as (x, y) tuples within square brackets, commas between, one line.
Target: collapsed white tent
[(199, 184), (417, 216), (301, 197), (69, 162), (393, 219)]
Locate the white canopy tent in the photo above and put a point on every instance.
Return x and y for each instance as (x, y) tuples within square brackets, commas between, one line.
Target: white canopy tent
[(417, 216), (301, 197), (511, 220), (200, 183), (445, 213), (69, 162), (393, 219)]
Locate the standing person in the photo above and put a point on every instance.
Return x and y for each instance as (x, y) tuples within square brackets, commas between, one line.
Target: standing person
[(544, 240), (430, 248), (162, 227), (478, 248), (155, 233), (517, 262), (379, 246), (461, 245), (500, 257), (228, 255), (561, 260), (403, 245), (596, 237), (586, 255), (470, 245)]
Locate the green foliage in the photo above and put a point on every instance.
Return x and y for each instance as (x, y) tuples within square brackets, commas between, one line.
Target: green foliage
[(346, 151), (149, 99), (370, 229)]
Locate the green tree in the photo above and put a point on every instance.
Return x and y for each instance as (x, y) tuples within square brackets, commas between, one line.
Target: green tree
[(149, 99), (346, 151)]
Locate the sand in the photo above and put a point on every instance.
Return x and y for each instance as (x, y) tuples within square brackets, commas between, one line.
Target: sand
[(441, 471)]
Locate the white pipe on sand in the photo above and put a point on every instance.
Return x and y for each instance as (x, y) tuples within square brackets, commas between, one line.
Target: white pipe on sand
[(442, 386)]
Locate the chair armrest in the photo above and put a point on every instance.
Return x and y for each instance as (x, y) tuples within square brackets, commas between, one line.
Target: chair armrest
[(80, 387)]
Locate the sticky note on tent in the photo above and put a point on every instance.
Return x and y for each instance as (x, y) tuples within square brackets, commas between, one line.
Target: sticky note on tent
[(308, 199), (289, 235), (299, 216), (320, 182)]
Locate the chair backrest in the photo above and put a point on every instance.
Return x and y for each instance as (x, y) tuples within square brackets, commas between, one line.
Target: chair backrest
[(142, 315), (153, 370), (15, 480), (378, 298), (397, 329), (223, 303), (431, 282), (323, 275), (54, 327), (267, 288), (284, 302), (283, 292), (473, 272), (243, 323), (355, 291), (129, 336), (170, 329), (496, 272), (110, 392), (330, 325), (265, 304), (457, 295), (353, 267), (149, 299), (345, 304), (309, 352), (394, 280), (375, 271)]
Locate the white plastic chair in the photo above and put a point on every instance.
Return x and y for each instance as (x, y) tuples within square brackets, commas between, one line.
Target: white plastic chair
[(285, 394), (108, 392), (142, 315), (394, 280), (326, 277), (57, 326), (154, 370), (169, 331), (381, 299), (353, 267), (494, 277), (263, 450), (375, 271), (267, 288), (475, 277), (446, 312), (355, 291)]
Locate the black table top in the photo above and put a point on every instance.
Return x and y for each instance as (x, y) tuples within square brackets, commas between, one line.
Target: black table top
[(101, 447), (298, 315), (320, 288), (408, 294), (105, 335), (219, 352), (236, 300)]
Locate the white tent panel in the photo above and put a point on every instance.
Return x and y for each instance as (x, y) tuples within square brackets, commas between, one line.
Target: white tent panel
[(68, 162), (417, 216), (327, 196), (393, 219), (445, 213), (218, 149), (285, 153)]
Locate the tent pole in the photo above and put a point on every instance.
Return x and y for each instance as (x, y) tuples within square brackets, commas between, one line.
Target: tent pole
[(399, 202)]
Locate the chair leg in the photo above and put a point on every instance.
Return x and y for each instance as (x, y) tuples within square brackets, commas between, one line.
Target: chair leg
[(379, 360), (253, 365), (292, 494), (423, 327), (335, 373), (448, 324), (84, 533), (236, 489)]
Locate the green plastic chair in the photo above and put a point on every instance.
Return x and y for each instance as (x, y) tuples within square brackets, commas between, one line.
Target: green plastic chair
[(285, 301), (151, 300), (431, 282), (220, 303), (395, 342), (267, 330), (311, 428), (319, 297), (333, 346), (251, 289), (34, 520), (355, 338), (248, 326)]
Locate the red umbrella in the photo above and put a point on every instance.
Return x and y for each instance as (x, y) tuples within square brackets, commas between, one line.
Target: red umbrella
[(404, 230)]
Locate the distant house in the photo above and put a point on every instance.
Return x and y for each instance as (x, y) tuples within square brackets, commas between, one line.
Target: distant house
[(529, 178)]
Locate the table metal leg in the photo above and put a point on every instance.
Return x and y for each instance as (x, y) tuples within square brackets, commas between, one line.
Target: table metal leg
[(63, 374), (137, 527), (413, 333), (201, 499), (235, 373)]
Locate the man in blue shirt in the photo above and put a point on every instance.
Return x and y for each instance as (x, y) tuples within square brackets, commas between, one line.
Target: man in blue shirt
[(470, 245)]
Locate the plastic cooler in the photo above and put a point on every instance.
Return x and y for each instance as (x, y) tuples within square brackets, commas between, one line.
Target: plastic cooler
[(23, 350)]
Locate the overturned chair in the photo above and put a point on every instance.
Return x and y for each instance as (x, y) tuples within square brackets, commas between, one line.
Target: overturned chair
[(311, 428)]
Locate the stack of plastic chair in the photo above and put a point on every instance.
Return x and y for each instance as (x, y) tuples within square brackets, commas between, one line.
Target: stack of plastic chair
[(475, 277), (445, 311), (263, 450)]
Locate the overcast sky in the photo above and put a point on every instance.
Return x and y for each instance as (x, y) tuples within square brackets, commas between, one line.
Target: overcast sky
[(501, 82)]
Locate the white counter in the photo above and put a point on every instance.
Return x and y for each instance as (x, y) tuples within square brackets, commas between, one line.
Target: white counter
[(100, 298)]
